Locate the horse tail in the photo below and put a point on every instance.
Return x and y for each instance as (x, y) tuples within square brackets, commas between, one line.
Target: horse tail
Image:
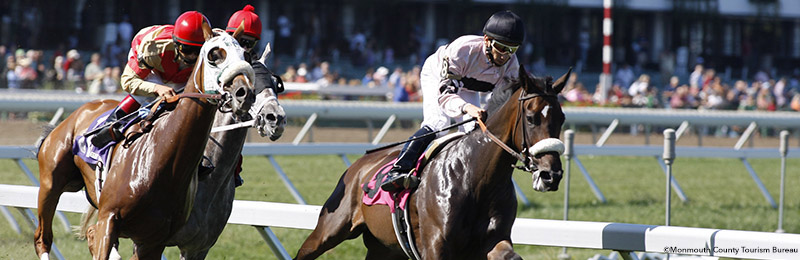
[(47, 129), (88, 216)]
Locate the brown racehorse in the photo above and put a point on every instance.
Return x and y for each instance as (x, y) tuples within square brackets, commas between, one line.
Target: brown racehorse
[(465, 205), (150, 185)]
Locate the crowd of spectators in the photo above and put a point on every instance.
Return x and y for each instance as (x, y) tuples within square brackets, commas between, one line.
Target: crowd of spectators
[(29, 69)]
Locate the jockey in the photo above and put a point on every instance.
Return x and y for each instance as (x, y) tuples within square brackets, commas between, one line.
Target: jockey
[(248, 40), (452, 79), (160, 62)]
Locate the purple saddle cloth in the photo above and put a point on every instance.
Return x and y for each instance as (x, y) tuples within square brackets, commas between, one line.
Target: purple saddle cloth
[(83, 148)]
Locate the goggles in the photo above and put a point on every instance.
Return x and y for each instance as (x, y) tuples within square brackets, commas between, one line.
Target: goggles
[(503, 48), (247, 43), (189, 49)]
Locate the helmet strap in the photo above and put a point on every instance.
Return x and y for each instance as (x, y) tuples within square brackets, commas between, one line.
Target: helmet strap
[(489, 55)]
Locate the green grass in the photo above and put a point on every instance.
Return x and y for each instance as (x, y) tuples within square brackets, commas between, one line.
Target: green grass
[(721, 195)]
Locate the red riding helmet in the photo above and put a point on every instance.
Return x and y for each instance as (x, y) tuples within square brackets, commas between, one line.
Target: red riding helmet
[(252, 25), (189, 28)]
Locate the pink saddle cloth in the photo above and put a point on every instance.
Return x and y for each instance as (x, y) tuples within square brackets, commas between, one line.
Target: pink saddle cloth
[(374, 195)]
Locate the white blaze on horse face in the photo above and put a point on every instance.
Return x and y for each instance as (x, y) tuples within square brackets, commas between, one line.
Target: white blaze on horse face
[(545, 110), (214, 75), (45, 256)]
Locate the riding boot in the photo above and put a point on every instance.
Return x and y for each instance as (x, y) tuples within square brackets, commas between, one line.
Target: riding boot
[(112, 129), (399, 177)]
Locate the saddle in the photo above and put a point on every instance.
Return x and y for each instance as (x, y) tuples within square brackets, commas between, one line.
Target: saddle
[(398, 202)]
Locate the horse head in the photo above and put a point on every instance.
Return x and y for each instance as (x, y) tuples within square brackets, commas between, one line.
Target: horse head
[(225, 71), (268, 113), (541, 120)]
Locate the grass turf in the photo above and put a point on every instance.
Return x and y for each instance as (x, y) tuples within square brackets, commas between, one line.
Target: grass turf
[(721, 195)]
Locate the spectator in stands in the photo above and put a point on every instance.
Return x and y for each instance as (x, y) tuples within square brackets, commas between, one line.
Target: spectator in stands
[(12, 80), (94, 74), (695, 79), (290, 74), (624, 77), (25, 73), (110, 80)]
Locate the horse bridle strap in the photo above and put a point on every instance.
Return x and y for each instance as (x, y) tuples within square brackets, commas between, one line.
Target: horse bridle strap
[(500, 143)]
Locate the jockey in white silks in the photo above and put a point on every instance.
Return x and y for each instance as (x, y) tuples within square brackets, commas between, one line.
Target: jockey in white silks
[(452, 79)]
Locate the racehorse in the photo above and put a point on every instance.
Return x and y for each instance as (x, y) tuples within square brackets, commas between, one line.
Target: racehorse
[(465, 205), (215, 191), (151, 180)]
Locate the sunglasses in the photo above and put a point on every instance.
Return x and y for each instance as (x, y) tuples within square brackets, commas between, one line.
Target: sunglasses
[(503, 48), (247, 43)]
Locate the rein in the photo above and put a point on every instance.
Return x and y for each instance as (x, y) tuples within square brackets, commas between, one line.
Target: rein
[(500, 143)]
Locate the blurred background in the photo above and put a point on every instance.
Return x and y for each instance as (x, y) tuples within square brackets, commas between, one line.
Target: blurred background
[(359, 42)]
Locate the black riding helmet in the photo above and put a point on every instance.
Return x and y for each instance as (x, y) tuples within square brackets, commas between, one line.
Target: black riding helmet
[(505, 26)]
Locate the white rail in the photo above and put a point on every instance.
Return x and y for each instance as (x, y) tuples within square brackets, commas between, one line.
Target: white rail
[(577, 234), (21, 101)]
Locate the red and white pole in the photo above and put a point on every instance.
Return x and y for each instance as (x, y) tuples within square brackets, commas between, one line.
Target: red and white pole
[(605, 77)]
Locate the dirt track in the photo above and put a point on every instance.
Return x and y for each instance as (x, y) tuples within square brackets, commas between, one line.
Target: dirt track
[(23, 132)]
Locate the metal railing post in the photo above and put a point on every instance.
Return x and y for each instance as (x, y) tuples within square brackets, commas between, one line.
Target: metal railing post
[(569, 136), (669, 157), (306, 128), (384, 129), (288, 183), (273, 242), (784, 150)]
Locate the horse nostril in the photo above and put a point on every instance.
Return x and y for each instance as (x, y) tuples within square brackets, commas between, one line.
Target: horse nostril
[(271, 117), (241, 92)]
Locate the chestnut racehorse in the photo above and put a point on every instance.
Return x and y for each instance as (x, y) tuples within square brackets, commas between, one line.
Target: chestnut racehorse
[(465, 204), (150, 185)]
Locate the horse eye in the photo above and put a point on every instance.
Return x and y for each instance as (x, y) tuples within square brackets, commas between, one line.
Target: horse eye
[(534, 118), (216, 56)]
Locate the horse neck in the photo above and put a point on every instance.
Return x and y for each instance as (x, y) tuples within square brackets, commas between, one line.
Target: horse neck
[(193, 116), (498, 161), (223, 146)]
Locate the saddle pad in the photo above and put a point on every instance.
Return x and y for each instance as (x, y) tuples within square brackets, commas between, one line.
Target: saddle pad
[(373, 194), (83, 148)]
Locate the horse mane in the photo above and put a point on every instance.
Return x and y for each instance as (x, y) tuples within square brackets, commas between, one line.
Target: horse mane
[(501, 95)]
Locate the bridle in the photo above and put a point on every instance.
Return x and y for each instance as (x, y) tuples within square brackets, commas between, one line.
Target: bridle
[(527, 164)]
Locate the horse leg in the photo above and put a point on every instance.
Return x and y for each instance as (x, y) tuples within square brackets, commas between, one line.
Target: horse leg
[(152, 252), (53, 179), (104, 235), (333, 226), (503, 250)]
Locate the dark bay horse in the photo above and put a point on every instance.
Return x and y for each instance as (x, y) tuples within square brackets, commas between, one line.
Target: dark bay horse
[(151, 184), (465, 205)]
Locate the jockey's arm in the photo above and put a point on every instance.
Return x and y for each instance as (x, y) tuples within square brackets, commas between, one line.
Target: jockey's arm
[(132, 83)]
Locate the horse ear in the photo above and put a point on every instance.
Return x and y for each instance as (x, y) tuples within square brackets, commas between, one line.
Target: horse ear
[(239, 30), (562, 81), (207, 32)]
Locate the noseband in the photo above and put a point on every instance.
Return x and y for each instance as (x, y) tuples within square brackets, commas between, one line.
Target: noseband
[(527, 163)]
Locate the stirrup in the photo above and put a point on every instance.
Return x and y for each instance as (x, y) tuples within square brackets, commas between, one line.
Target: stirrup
[(399, 181)]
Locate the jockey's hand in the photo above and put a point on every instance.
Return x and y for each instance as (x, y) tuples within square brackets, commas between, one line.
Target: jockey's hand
[(475, 111), (164, 91)]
